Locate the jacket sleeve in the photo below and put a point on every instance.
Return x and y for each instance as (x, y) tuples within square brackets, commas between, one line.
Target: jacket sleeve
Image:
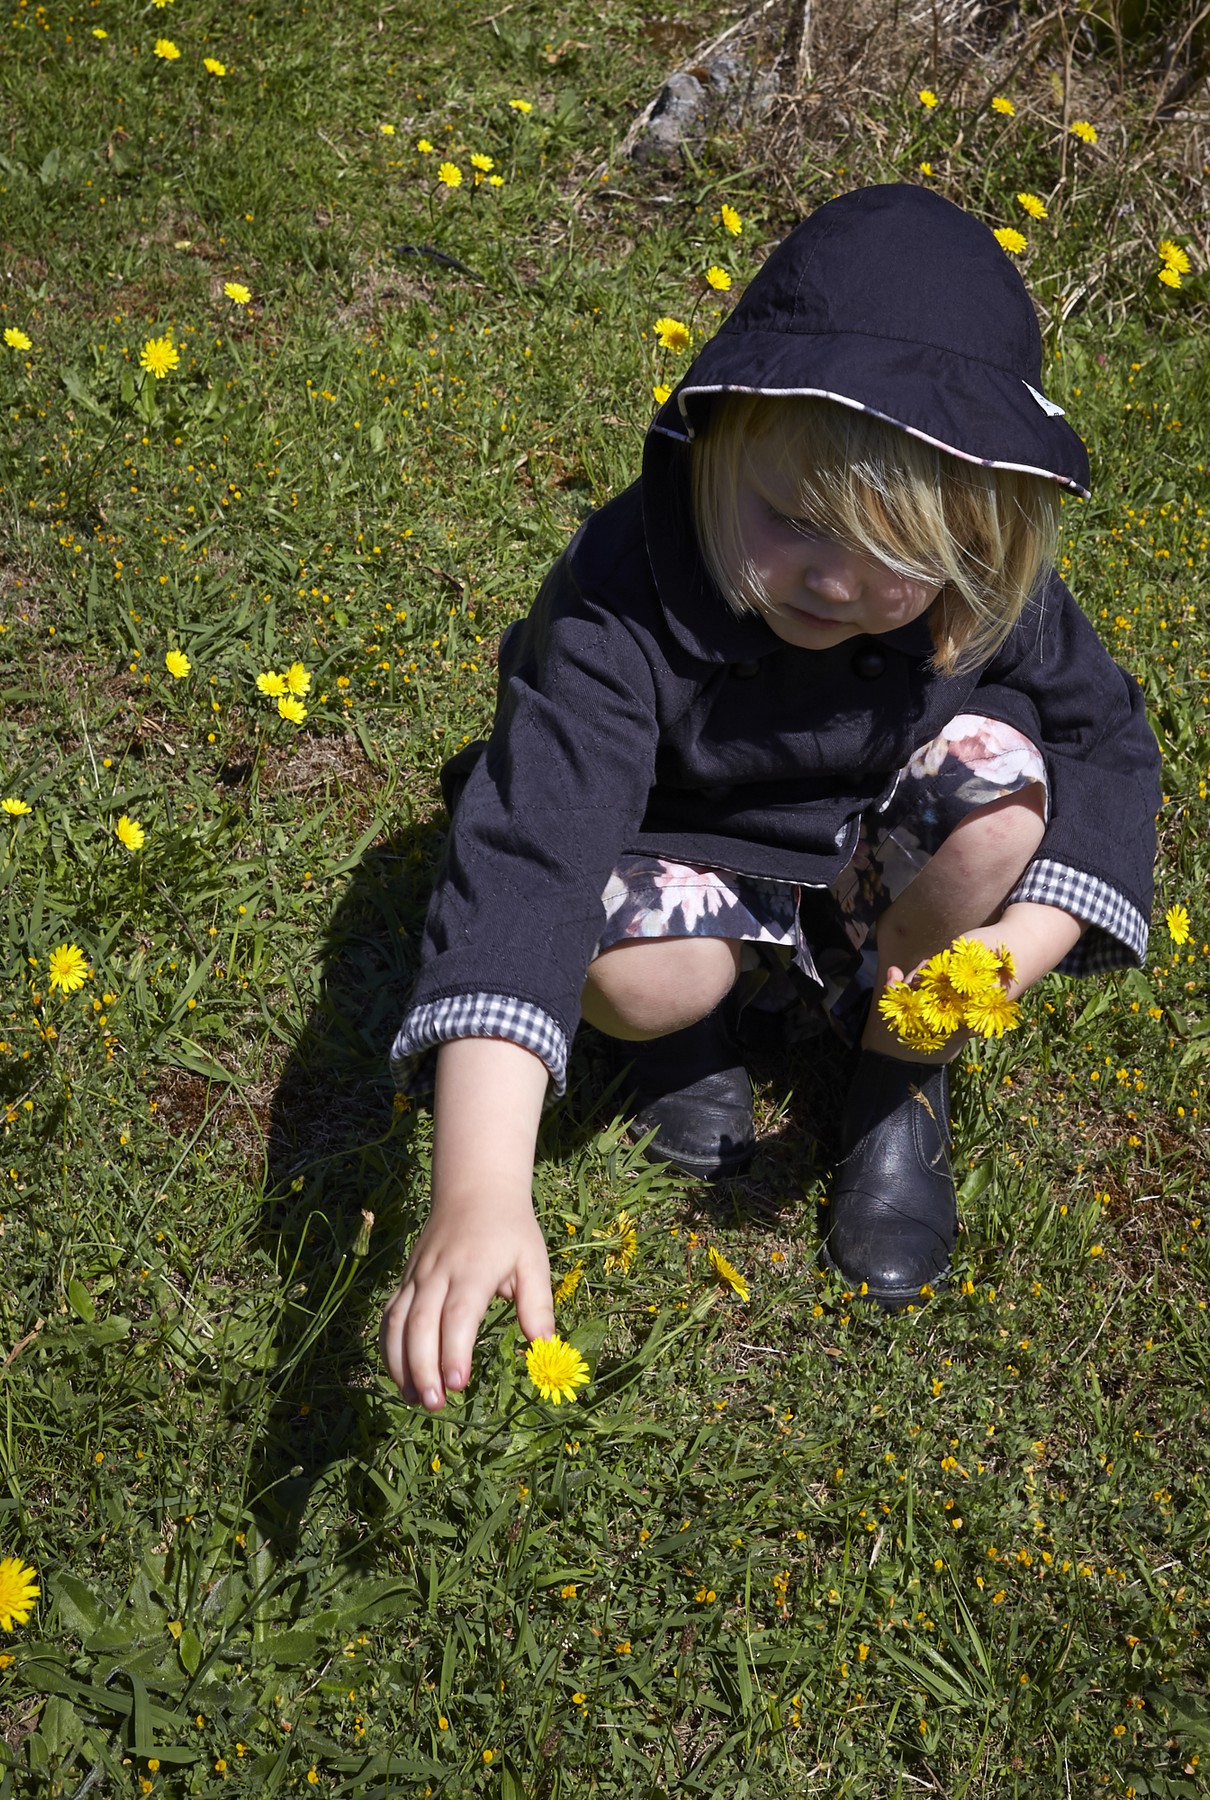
[(539, 825), (1055, 680)]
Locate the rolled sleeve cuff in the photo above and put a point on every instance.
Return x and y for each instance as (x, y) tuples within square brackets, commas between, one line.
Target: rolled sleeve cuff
[(1117, 934), (476, 1016)]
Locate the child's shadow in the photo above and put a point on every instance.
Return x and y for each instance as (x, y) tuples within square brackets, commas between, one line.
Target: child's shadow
[(339, 1149)]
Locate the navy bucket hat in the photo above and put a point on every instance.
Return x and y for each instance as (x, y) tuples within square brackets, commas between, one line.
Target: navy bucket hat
[(895, 302)]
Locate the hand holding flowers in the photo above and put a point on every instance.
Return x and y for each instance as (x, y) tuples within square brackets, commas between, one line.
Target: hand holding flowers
[(963, 988)]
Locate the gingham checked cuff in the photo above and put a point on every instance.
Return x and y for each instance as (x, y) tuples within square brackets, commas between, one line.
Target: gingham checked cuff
[(1117, 935), (476, 1015)]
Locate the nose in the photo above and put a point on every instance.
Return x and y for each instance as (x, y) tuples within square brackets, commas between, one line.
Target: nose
[(833, 573)]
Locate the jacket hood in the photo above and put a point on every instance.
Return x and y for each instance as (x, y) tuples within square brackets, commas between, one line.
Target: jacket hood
[(896, 302)]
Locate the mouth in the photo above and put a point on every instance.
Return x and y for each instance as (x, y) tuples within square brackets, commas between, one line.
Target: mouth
[(809, 618)]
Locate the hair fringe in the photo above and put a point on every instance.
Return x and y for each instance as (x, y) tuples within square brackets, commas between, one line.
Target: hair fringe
[(985, 535)]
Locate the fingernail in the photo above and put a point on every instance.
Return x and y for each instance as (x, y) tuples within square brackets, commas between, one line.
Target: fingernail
[(453, 1378), (432, 1398)]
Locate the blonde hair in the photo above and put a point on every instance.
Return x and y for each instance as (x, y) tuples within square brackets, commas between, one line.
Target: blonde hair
[(985, 535)]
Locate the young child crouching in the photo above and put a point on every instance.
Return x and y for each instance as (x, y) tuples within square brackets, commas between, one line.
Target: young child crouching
[(808, 695)]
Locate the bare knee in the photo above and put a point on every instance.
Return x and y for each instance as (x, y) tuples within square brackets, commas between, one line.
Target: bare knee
[(1002, 836), (651, 986)]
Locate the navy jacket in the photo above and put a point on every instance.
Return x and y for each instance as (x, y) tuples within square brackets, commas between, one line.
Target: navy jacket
[(637, 712)]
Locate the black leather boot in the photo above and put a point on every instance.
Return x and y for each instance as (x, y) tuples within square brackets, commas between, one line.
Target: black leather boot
[(893, 1215), (692, 1089)]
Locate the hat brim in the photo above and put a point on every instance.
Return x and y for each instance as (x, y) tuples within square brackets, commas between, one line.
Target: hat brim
[(967, 408)]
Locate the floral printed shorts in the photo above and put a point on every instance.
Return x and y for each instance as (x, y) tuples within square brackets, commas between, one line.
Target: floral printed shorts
[(828, 937)]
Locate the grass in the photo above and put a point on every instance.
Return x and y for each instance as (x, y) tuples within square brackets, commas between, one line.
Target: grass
[(778, 1549)]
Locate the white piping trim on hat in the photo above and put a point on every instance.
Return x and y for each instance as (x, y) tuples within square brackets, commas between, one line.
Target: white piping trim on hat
[(811, 393)]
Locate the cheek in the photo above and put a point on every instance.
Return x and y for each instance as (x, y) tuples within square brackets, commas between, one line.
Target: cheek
[(908, 600)]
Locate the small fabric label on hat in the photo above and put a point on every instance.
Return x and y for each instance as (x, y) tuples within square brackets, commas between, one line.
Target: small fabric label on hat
[(1048, 406)]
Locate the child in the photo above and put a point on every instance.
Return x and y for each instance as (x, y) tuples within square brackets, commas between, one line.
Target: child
[(810, 688)]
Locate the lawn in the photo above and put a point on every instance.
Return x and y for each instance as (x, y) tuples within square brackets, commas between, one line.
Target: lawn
[(321, 330)]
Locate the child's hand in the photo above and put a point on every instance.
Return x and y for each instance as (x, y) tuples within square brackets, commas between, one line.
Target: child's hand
[(1036, 937), (463, 1258), (482, 1238)]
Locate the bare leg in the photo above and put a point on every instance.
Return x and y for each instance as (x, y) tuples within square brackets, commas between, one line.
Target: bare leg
[(651, 986), (963, 886)]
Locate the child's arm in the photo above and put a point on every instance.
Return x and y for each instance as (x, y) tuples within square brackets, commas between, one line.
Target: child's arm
[(482, 1238), (1038, 937)]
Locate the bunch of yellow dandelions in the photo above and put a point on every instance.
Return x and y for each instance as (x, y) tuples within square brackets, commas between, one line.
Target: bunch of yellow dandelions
[(959, 989)]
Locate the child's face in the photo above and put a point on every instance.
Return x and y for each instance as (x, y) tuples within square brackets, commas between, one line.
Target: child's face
[(820, 592)]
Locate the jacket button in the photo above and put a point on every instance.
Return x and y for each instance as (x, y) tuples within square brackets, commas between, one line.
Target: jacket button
[(869, 664), (745, 671)]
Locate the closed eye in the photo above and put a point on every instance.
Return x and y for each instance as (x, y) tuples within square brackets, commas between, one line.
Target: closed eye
[(801, 527)]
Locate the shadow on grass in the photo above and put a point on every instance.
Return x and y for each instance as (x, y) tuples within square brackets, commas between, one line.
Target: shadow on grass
[(339, 1149)]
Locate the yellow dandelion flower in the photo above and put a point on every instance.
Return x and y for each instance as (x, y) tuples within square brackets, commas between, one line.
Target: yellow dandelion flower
[(387, 130), (495, 181), (213, 66), (941, 1004), (718, 278), (927, 97), (1033, 204), (271, 684), (625, 1230), (166, 50), (661, 392), (68, 969), (1173, 257), (483, 163), (129, 833), (1005, 962), (16, 339), (903, 1011), (1169, 277), (159, 356), (556, 1368), (99, 33), (522, 106), (16, 809), (1003, 106), (926, 168), (991, 1015), (1177, 921), (672, 334), (424, 147), (972, 965), (1009, 240), (1081, 128), (237, 292), (728, 1274), (569, 1284), (18, 1591), (450, 174), (731, 220), (297, 679), (177, 664), (290, 708)]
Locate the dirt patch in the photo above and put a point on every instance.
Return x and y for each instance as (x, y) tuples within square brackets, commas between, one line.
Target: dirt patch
[(315, 760)]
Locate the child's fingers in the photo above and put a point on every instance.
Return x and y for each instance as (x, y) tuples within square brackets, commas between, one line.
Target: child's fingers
[(422, 1342), (391, 1340), (535, 1306)]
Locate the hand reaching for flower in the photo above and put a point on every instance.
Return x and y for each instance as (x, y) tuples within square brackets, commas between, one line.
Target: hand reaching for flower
[(482, 1239)]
